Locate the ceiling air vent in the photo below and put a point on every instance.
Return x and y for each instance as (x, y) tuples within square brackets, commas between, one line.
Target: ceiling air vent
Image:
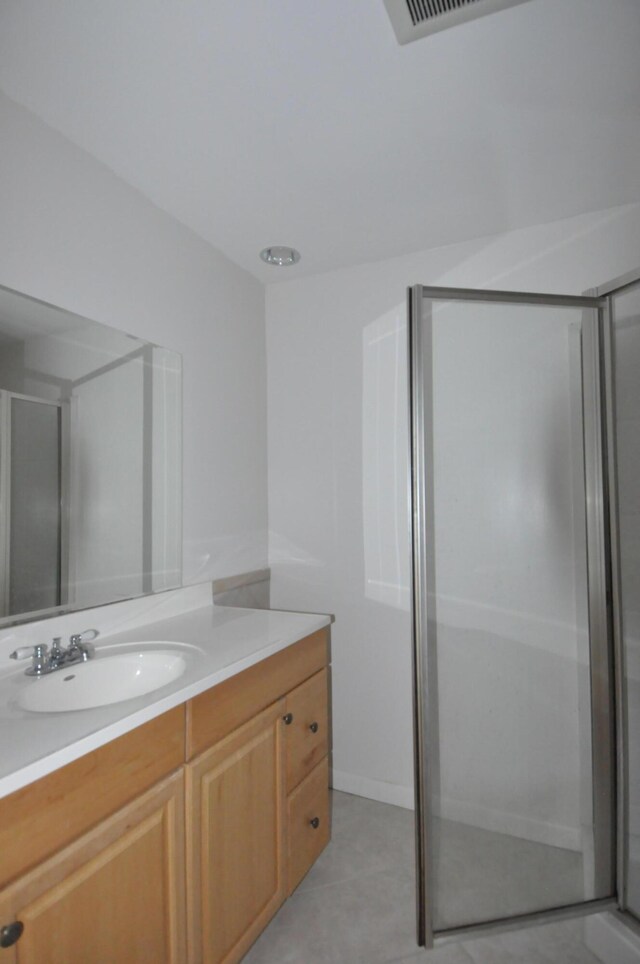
[(413, 19)]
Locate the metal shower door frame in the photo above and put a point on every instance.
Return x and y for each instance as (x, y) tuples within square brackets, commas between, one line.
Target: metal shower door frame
[(595, 327), (608, 291)]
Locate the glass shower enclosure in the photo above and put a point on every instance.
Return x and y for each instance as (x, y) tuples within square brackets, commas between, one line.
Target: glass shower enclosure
[(622, 354), (512, 614)]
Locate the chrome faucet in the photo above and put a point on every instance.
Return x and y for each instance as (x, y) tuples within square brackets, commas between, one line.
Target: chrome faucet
[(47, 660), (77, 651)]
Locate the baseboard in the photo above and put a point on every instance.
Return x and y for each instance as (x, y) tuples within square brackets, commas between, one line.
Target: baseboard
[(611, 940), (512, 824), (393, 793), (569, 838)]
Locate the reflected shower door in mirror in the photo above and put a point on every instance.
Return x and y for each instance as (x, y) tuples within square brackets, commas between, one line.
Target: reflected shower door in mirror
[(31, 459), (517, 767), (90, 462)]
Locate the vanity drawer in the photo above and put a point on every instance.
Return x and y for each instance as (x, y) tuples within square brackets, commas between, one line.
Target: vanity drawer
[(308, 823), (216, 713), (307, 719)]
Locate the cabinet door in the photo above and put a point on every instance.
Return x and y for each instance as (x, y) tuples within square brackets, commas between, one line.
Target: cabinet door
[(115, 894), (235, 839)]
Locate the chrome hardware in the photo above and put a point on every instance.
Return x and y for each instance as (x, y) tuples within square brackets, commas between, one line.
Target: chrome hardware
[(77, 651), (56, 653), (313, 727), (38, 654), (315, 822), (40, 661), (11, 933), (48, 661), (288, 718)]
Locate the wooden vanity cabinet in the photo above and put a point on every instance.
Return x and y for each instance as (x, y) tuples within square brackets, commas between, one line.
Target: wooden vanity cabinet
[(308, 826), (115, 894), (235, 830), (43, 817), (257, 797), (92, 856), (307, 733), (178, 841), (307, 746)]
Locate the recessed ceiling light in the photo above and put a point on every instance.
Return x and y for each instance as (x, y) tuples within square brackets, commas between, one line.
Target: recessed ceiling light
[(280, 255)]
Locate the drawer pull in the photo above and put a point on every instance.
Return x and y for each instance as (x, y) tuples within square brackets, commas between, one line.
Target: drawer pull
[(315, 823), (288, 718), (313, 727), (11, 933)]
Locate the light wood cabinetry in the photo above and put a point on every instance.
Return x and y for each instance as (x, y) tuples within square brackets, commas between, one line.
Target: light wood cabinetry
[(93, 861), (235, 838), (38, 820), (307, 736), (256, 819), (116, 894), (307, 745), (223, 708), (308, 826)]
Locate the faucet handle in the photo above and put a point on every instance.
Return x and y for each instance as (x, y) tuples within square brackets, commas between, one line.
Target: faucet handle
[(77, 648), (23, 652), (39, 654), (76, 638)]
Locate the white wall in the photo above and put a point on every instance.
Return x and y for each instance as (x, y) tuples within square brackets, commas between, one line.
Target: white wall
[(74, 234), (337, 461)]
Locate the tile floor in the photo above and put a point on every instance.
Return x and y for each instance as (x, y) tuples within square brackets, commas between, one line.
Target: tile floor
[(356, 906), (481, 875)]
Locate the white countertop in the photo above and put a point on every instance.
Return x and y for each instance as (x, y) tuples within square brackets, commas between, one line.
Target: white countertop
[(220, 643)]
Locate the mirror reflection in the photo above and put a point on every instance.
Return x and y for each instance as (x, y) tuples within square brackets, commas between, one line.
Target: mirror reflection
[(90, 462)]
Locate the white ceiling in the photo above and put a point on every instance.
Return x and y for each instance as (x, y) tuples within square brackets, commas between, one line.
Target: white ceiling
[(303, 122)]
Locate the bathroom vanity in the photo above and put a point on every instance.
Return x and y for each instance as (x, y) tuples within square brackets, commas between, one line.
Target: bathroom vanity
[(180, 838)]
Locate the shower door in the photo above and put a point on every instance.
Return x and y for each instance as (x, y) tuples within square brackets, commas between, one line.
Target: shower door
[(32, 537), (514, 739)]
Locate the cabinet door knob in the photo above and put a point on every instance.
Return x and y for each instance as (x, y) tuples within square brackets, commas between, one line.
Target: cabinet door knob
[(288, 718), (313, 727), (315, 823), (11, 933)]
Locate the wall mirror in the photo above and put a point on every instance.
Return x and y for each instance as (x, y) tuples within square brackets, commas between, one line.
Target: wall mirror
[(90, 462)]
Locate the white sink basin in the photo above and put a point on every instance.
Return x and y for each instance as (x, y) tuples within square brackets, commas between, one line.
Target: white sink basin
[(108, 679)]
